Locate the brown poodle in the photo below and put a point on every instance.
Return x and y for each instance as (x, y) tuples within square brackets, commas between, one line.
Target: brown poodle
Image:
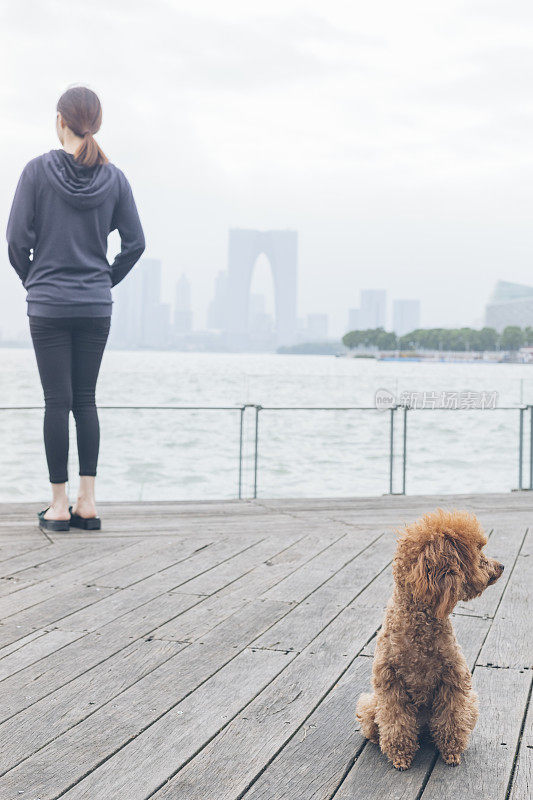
[(419, 673)]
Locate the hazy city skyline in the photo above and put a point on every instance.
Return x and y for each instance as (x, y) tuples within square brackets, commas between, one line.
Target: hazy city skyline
[(382, 141)]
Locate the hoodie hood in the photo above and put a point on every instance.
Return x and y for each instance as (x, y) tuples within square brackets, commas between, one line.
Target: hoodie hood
[(82, 187)]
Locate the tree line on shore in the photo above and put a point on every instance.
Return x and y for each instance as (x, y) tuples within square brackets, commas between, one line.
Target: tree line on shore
[(456, 339)]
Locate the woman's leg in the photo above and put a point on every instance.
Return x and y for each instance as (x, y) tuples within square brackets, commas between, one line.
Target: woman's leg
[(88, 344), (52, 345)]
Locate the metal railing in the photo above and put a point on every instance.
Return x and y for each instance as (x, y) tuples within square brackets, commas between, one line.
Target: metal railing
[(403, 410)]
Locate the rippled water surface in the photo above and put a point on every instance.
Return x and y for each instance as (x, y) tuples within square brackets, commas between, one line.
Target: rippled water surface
[(154, 454)]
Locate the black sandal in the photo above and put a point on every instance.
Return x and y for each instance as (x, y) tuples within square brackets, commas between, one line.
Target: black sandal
[(52, 524), (86, 523)]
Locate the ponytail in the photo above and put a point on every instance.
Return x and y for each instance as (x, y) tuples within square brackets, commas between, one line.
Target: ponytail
[(89, 153), (82, 112)]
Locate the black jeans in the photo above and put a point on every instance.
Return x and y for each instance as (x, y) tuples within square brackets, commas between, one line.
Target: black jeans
[(69, 352)]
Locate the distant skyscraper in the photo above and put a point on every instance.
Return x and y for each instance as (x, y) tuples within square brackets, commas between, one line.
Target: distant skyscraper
[(317, 327), (372, 313), (139, 317), (217, 313), (373, 308), (354, 316), (405, 316), (510, 304), (182, 307)]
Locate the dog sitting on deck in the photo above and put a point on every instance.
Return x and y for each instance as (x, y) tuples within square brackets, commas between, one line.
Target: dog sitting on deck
[(419, 673)]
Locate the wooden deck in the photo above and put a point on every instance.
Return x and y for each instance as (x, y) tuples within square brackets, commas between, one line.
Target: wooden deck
[(215, 651)]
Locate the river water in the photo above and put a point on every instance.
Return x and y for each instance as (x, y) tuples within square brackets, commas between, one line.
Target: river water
[(189, 455)]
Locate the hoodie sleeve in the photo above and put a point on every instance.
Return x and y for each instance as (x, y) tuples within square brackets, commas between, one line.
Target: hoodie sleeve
[(20, 226), (126, 221)]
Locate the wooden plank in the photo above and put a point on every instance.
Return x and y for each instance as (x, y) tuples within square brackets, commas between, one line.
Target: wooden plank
[(239, 592), (29, 731), (522, 785), (149, 560), (175, 575), (71, 559), (86, 745), (373, 776), (233, 760), (34, 558), (266, 575), (486, 766), (170, 579), (504, 545), (38, 680), (313, 762), (229, 571), (32, 684), (11, 585), (48, 642), (10, 648), (49, 612), (81, 573), (510, 639), (146, 762), (309, 617), (299, 585), (13, 549)]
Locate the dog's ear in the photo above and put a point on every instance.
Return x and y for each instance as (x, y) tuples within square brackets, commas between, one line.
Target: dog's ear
[(436, 578)]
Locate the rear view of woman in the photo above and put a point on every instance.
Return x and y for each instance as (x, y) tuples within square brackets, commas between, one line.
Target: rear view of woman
[(66, 203)]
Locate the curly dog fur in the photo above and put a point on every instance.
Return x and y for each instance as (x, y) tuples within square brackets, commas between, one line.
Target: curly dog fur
[(419, 672)]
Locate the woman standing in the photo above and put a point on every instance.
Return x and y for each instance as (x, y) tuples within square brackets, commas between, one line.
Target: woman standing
[(66, 203)]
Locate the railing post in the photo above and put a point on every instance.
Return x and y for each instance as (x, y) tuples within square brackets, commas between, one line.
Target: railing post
[(391, 450), (240, 450), (256, 448), (404, 465), (531, 447), (521, 449)]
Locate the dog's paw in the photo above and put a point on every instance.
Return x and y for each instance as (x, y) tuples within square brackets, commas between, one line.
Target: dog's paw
[(401, 764), (452, 759)]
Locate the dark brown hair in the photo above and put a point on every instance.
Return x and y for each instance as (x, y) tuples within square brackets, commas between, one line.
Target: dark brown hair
[(82, 112)]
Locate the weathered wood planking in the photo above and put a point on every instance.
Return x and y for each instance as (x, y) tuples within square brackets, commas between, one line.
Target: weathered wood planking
[(503, 696), (148, 559), (26, 685), (257, 582), (312, 615), (237, 756), (146, 762), (49, 611), (510, 640), (522, 787), (302, 583), (311, 765), (86, 745), (57, 564), (223, 662), (38, 680), (33, 728), (44, 644), (13, 549)]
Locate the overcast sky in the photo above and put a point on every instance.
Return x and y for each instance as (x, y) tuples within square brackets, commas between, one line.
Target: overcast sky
[(396, 138)]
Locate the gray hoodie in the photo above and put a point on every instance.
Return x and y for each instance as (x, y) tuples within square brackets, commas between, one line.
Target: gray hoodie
[(61, 216)]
